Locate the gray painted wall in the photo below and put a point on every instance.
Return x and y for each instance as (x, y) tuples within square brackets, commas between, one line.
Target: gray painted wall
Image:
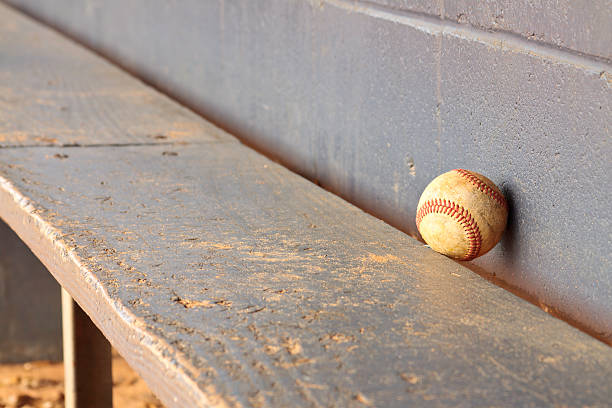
[(577, 25), (373, 103), (30, 306)]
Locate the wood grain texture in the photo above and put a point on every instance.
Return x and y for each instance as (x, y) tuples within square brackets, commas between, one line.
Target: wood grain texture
[(53, 92), (374, 103), (226, 280)]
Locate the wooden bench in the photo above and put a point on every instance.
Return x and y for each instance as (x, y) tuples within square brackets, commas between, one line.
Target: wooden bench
[(226, 280)]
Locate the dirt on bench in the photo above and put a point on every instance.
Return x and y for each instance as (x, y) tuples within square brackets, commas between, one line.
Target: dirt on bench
[(40, 384)]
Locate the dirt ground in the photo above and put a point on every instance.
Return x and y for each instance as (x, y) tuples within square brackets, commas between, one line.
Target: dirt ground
[(40, 384)]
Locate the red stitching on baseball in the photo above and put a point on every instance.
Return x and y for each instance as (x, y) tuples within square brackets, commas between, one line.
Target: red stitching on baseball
[(482, 186), (459, 214)]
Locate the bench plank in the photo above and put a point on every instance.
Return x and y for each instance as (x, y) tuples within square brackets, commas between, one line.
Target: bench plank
[(225, 279), (54, 92)]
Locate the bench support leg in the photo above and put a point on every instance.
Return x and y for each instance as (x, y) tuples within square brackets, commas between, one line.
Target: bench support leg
[(87, 359)]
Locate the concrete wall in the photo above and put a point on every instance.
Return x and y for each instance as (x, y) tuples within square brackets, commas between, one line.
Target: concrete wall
[(375, 100), (30, 305), (581, 26)]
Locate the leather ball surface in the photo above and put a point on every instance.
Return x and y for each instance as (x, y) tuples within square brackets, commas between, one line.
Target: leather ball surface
[(462, 214)]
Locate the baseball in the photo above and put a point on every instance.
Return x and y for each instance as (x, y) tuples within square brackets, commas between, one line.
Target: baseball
[(462, 214)]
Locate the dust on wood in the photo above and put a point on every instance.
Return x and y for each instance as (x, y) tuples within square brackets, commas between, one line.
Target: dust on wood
[(229, 281)]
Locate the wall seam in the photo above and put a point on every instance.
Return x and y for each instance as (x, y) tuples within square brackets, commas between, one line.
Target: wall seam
[(504, 41)]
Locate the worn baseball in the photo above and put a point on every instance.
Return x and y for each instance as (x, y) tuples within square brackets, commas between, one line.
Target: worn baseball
[(462, 214)]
